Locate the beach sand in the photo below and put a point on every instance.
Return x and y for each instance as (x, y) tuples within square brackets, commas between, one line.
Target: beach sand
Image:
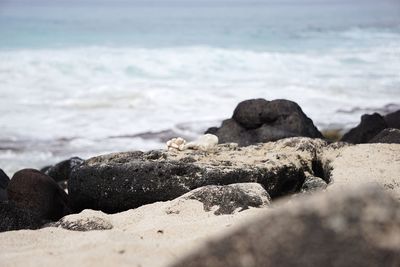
[(161, 233)]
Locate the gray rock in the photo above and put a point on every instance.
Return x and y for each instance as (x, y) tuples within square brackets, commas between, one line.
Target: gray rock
[(228, 199), (4, 180), (82, 223), (358, 227), (15, 218), (313, 184), (368, 128), (388, 136), (30, 189), (258, 120), (122, 181)]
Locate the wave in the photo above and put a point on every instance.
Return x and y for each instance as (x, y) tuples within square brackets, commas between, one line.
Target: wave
[(202, 81), (86, 95)]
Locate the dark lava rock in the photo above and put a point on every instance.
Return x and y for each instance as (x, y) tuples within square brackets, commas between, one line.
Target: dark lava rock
[(368, 128), (4, 180), (62, 170), (231, 132), (30, 189), (348, 228), (82, 223), (251, 113), (259, 120), (122, 181), (14, 218), (230, 198), (388, 136), (393, 119)]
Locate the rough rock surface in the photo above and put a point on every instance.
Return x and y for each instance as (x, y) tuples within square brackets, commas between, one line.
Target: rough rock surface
[(393, 119), (122, 181), (259, 120), (4, 180), (368, 128), (15, 218), (84, 221), (30, 189), (388, 136), (228, 199), (347, 228)]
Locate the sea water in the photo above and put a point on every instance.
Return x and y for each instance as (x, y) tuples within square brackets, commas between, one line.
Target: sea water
[(81, 78)]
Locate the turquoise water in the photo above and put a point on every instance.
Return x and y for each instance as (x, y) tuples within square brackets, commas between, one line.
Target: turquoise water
[(288, 26), (75, 73)]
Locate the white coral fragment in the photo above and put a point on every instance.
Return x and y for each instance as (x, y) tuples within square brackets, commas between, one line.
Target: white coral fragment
[(176, 144), (205, 142)]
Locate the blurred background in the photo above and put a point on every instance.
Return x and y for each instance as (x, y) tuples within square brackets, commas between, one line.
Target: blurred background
[(86, 77)]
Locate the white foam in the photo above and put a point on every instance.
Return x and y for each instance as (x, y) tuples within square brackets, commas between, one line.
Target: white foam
[(96, 92)]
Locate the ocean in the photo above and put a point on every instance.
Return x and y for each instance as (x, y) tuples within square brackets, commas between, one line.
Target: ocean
[(82, 78)]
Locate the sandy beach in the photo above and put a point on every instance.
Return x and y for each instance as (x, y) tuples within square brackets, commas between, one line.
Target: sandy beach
[(162, 233)]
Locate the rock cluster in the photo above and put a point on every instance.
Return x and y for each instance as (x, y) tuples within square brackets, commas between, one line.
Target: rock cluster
[(258, 120), (375, 129), (244, 171)]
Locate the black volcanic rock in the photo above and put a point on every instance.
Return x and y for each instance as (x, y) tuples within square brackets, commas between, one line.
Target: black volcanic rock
[(259, 120), (62, 170), (231, 132), (393, 119), (4, 180), (368, 128), (227, 199), (358, 227), (16, 218), (389, 136), (250, 114), (122, 181), (30, 189)]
